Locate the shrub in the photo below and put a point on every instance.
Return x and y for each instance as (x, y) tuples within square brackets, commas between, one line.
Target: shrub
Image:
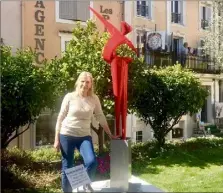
[(213, 129), (149, 150), (201, 142), (45, 154), (218, 134), (170, 93)]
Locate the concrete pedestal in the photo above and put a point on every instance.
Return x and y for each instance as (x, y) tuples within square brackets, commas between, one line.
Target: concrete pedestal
[(135, 185), (120, 164)]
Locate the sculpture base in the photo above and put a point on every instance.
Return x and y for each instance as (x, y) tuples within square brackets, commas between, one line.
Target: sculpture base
[(120, 164), (135, 185)]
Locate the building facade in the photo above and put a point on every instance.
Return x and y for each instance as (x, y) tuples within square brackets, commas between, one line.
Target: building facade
[(46, 26), (11, 26), (166, 26)]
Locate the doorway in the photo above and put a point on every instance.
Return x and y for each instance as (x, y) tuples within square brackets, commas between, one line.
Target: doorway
[(177, 44), (206, 112)]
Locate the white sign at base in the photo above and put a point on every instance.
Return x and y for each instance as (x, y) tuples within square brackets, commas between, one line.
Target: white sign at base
[(77, 176)]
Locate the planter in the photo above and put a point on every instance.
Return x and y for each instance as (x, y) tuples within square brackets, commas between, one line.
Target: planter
[(120, 164)]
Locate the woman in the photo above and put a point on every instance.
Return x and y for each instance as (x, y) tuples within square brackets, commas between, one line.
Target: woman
[(73, 127)]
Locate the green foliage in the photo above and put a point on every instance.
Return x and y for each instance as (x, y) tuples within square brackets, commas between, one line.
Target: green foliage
[(25, 172), (201, 142), (45, 154), (30, 171), (25, 92), (214, 34), (170, 93), (218, 134), (146, 151), (213, 129)]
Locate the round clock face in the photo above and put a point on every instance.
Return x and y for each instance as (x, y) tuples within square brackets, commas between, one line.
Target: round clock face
[(154, 41)]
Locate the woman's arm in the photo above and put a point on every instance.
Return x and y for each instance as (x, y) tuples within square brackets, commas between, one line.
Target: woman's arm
[(100, 117)]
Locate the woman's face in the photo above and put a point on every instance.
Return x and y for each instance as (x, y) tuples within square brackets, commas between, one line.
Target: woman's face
[(85, 84)]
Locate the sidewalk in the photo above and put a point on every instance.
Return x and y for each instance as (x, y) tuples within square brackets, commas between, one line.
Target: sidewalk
[(135, 185)]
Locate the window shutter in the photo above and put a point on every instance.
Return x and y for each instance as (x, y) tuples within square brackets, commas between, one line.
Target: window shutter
[(138, 8), (184, 3), (152, 15), (209, 14), (68, 10), (200, 47), (201, 16), (83, 12), (176, 7), (204, 13), (149, 7)]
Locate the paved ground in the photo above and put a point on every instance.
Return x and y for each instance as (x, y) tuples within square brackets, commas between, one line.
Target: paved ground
[(135, 185)]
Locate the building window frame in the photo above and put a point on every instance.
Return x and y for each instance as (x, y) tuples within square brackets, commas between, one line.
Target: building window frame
[(140, 41), (178, 13), (57, 12), (209, 11), (64, 37), (34, 141), (67, 21), (205, 17), (139, 136), (148, 4)]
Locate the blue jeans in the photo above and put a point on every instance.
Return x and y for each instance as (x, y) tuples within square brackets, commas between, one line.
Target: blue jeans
[(85, 147)]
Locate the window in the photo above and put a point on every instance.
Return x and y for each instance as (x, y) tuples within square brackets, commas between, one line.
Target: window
[(140, 42), (205, 54), (139, 136), (70, 11), (202, 49), (66, 44), (142, 48), (220, 91), (45, 129), (205, 16), (176, 11), (144, 9), (65, 38), (204, 110), (177, 44)]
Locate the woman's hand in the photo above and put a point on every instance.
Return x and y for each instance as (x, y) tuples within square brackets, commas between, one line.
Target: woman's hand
[(57, 145), (115, 137)]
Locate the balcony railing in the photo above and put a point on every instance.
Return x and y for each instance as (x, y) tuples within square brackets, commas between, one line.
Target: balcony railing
[(176, 17), (204, 23), (198, 64)]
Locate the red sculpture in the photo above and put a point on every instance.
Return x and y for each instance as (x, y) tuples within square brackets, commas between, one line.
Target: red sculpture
[(119, 69)]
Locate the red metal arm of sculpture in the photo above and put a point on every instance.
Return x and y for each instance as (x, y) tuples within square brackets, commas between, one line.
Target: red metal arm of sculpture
[(119, 69)]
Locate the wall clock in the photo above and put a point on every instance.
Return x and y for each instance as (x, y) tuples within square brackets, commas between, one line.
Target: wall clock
[(154, 41)]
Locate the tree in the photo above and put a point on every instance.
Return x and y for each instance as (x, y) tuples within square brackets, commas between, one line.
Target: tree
[(84, 53), (214, 36), (25, 92), (164, 95)]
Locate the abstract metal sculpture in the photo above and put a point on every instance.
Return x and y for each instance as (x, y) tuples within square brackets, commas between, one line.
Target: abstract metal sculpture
[(119, 69)]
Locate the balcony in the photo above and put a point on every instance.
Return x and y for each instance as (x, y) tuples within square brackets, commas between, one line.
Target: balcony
[(175, 17), (204, 24), (198, 64)]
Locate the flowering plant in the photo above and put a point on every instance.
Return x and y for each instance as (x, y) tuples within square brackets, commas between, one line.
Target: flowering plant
[(103, 168)]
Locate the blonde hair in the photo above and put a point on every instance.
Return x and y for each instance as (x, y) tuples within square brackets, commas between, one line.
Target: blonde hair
[(88, 74)]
